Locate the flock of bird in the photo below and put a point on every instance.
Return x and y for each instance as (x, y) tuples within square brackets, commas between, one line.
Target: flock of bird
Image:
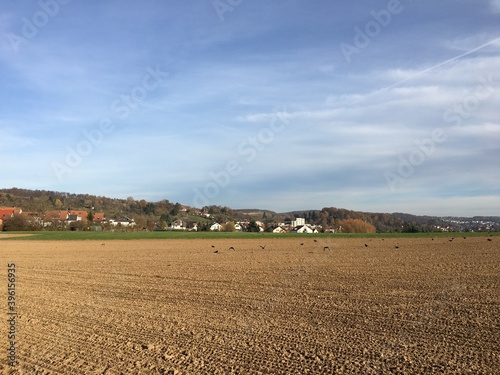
[(232, 248), (327, 248)]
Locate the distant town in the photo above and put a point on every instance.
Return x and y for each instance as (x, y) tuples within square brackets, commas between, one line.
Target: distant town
[(14, 218), (31, 210)]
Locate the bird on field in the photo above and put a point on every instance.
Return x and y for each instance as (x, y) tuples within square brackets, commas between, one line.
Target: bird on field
[(315, 240), (326, 248), (262, 247), (231, 248), (451, 240), (302, 244), (366, 245), (465, 238), (489, 239), (397, 247), (213, 246), (216, 251)]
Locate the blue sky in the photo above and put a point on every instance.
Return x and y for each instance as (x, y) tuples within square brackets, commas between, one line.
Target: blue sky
[(286, 105)]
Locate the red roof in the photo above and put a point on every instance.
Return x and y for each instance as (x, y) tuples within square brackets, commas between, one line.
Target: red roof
[(98, 217), (82, 214), (56, 215), (7, 212)]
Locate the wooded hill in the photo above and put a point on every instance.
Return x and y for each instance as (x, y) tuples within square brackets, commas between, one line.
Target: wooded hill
[(147, 214)]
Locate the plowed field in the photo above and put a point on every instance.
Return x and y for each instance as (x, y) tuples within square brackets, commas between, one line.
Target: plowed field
[(361, 306)]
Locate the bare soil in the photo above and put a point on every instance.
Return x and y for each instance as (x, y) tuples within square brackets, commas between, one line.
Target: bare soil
[(360, 306), (8, 235)]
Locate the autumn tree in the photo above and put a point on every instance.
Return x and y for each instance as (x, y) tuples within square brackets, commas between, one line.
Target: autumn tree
[(356, 226), (229, 227)]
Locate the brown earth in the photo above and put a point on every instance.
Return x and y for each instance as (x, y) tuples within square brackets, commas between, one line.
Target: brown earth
[(177, 307), (6, 235)]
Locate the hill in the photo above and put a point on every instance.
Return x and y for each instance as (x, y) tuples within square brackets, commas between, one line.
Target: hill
[(152, 215)]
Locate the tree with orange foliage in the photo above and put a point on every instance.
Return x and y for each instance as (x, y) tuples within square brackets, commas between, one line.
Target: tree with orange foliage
[(356, 226)]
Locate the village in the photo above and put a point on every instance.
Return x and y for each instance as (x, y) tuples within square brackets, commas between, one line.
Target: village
[(96, 221)]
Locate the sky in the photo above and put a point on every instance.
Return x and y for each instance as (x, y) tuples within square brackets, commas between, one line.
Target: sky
[(380, 106)]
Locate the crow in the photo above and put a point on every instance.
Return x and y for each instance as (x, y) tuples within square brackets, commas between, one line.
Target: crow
[(366, 245), (489, 239), (326, 248), (397, 247), (262, 247), (216, 251), (231, 248)]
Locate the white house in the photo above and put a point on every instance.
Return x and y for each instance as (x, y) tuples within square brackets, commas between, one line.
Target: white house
[(125, 222), (298, 222), (304, 229), (73, 218), (261, 225), (216, 227), (280, 230), (178, 225)]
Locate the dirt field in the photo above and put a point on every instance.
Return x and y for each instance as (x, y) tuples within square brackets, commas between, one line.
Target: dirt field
[(177, 307)]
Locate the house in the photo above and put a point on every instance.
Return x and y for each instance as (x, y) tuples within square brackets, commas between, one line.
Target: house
[(298, 222), (304, 229), (216, 227), (125, 222), (280, 230), (73, 218), (8, 212), (261, 226), (79, 214), (34, 217), (4, 214), (98, 217), (54, 216), (178, 225)]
